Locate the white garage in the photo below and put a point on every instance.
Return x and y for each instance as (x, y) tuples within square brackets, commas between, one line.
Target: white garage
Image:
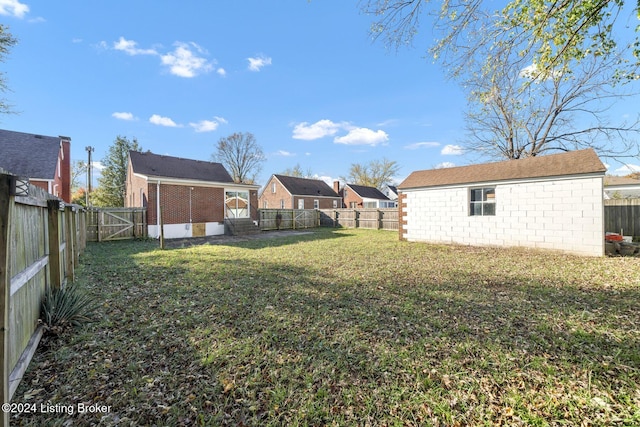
[(550, 202)]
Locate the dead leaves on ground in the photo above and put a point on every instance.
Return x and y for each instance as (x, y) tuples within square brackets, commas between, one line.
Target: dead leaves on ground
[(348, 328)]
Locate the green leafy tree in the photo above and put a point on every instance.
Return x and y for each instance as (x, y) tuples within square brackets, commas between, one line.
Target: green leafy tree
[(376, 173), (7, 41), (111, 185), (552, 32), (241, 156)]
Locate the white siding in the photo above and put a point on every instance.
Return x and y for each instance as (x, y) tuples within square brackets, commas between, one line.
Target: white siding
[(565, 215)]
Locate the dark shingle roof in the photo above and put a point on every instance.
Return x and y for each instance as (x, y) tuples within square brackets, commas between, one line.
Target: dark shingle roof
[(306, 187), (155, 165), (570, 163), (29, 155), (368, 192)]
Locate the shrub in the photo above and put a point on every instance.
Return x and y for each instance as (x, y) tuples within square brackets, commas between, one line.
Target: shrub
[(65, 308)]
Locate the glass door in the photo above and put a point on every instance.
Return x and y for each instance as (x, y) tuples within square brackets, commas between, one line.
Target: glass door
[(236, 204)]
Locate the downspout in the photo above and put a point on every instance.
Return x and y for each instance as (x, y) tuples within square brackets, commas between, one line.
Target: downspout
[(158, 205)]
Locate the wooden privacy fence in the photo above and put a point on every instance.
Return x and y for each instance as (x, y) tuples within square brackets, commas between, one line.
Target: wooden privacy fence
[(622, 216), (379, 219), (288, 219), (40, 243), (116, 223)]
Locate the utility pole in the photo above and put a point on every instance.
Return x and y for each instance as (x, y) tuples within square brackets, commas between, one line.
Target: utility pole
[(89, 177)]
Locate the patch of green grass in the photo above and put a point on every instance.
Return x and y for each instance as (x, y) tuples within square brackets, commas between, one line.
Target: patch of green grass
[(347, 327)]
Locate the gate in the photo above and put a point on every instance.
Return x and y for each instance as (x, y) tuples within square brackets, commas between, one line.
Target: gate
[(105, 224)]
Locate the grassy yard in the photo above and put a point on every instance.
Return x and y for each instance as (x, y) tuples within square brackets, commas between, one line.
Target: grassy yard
[(347, 327)]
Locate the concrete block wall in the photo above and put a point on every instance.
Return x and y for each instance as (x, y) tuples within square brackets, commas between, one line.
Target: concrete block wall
[(562, 214)]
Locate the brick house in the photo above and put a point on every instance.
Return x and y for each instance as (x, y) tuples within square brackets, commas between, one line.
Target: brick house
[(551, 202), (45, 160), (195, 198), (361, 196), (288, 192)]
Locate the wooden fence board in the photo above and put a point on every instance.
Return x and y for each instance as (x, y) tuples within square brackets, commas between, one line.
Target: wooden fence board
[(39, 247), (378, 219), (622, 216), (116, 223), (288, 219)]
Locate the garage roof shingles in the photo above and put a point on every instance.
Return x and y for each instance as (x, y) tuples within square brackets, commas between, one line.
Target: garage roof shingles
[(570, 163)]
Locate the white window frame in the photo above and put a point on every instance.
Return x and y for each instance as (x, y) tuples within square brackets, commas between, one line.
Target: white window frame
[(316, 204), (486, 206), (273, 187)]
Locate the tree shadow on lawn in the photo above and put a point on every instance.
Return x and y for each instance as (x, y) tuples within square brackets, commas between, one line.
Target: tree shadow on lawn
[(258, 241), (255, 342)]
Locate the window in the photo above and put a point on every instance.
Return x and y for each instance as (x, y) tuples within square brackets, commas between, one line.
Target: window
[(335, 204), (273, 187), (300, 203), (265, 204), (482, 201), (316, 204), (370, 205), (281, 203)]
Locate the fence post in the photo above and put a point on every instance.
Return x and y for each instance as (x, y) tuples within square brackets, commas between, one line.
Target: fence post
[(6, 207), (70, 247), (54, 243)]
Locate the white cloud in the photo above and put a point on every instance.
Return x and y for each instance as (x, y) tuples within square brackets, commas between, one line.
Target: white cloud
[(13, 8), (184, 61), (627, 169), (284, 153), (318, 130), (445, 165), (207, 125), (220, 119), (221, 72), (417, 145), (362, 136), (98, 165), (531, 72), (451, 150), (130, 48), (255, 64), (162, 121), (123, 116)]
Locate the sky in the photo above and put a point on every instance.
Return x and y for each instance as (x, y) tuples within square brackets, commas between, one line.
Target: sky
[(304, 77)]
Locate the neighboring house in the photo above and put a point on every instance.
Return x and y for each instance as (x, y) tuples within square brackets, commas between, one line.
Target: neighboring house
[(621, 187), (391, 191), (45, 160), (288, 192), (194, 197), (360, 196), (551, 202)]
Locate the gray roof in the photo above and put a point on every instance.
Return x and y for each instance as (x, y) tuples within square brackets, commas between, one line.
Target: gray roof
[(29, 155), (155, 165), (306, 187), (368, 192)]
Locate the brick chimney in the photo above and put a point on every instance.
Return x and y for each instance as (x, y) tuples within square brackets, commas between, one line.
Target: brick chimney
[(336, 187)]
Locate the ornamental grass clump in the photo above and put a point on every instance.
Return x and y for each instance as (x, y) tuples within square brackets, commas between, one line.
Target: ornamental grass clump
[(65, 308)]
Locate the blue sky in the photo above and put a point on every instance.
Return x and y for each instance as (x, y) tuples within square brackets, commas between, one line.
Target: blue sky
[(304, 77)]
